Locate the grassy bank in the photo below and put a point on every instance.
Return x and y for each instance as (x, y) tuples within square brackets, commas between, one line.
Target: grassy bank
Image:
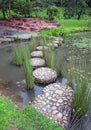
[(68, 26), (25, 119)]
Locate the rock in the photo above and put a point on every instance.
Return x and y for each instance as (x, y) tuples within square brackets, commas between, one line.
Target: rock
[(59, 115), (37, 54), (41, 48), (37, 62), (44, 75), (59, 110), (55, 45)]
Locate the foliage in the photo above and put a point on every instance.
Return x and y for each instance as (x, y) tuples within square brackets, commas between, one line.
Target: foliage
[(82, 94), (24, 119), (52, 12), (28, 69), (33, 44), (17, 51), (25, 8), (67, 27), (7, 112), (74, 8)]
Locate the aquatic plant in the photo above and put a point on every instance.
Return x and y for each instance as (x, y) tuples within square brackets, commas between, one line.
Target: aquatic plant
[(33, 44), (49, 56), (28, 71), (25, 51), (82, 93), (17, 54), (54, 62)]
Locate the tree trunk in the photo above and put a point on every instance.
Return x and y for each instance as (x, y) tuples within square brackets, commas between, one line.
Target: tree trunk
[(3, 12), (9, 9)]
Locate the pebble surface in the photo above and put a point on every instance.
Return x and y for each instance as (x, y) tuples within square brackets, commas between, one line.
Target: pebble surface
[(55, 103), (37, 54), (44, 75), (41, 48), (37, 62)]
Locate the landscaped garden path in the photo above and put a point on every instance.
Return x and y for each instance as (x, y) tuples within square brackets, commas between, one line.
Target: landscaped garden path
[(55, 103)]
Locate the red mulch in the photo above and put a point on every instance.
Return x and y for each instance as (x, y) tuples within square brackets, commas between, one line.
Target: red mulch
[(30, 24)]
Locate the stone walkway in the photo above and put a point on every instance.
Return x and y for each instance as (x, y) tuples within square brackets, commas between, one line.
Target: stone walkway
[(37, 62), (45, 75), (55, 103)]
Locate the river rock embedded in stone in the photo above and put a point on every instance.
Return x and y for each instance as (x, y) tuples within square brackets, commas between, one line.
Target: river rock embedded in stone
[(37, 54), (37, 62), (55, 103), (44, 75), (41, 48)]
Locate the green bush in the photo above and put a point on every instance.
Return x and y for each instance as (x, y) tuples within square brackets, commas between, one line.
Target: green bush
[(52, 12)]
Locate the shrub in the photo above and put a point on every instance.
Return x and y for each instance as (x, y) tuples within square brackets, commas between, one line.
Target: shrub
[(52, 12)]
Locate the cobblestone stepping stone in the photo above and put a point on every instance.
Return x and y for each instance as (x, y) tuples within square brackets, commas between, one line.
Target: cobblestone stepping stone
[(37, 54), (54, 45), (37, 62), (55, 103), (41, 48), (44, 75)]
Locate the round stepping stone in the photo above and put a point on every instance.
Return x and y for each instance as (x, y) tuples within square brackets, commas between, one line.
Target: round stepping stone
[(37, 62), (44, 75), (37, 54), (41, 48), (54, 45)]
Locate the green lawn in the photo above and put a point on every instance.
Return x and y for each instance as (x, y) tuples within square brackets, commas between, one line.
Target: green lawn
[(24, 119), (68, 26)]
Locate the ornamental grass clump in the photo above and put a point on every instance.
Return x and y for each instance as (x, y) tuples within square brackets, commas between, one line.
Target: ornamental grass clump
[(28, 71), (82, 93), (49, 56), (17, 54), (33, 44)]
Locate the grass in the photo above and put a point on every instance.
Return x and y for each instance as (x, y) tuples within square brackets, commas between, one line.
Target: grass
[(28, 68), (25, 119), (33, 44), (67, 27), (17, 52), (52, 61), (79, 79)]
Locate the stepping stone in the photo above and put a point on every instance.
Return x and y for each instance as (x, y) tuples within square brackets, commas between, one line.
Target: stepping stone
[(54, 45), (37, 54), (37, 62), (41, 48), (55, 103), (44, 75)]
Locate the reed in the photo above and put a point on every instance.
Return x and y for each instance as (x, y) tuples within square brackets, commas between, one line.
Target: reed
[(33, 44), (28, 70), (17, 54)]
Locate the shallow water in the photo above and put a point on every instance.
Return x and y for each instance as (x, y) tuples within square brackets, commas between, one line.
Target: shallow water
[(14, 85), (13, 79)]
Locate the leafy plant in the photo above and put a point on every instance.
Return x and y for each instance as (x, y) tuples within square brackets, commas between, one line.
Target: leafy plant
[(52, 12)]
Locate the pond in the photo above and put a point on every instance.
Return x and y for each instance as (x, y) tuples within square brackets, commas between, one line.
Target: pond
[(13, 80), (74, 52)]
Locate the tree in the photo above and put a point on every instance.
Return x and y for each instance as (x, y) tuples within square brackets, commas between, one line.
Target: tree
[(74, 8), (9, 1)]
